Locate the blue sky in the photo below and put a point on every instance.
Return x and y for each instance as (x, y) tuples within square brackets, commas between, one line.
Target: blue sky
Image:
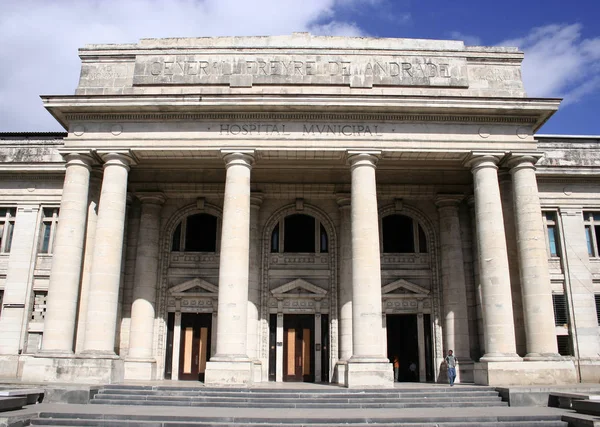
[(561, 40)]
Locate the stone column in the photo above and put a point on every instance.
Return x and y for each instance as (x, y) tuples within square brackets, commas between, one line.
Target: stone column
[(533, 261), (88, 254), (230, 364), (140, 363), (476, 277), (106, 264), (421, 339), (18, 286), (456, 322), (367, 367), (499, 331), (345, 287), (67, 258), (254, 276)]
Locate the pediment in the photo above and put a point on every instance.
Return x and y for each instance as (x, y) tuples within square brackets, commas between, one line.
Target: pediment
[(194, 287), (299, 287), (402, 287)]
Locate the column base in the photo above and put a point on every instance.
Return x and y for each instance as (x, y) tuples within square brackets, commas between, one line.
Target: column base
[(10, 366), (551, 372), (500, 357), (589, 369), (464, 371), (73, 368), (140, 369), (376, 373), (340, 373), (229, 372)]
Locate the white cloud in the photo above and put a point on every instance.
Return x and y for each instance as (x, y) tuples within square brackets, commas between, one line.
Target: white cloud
[(559, 62), (40, 38)]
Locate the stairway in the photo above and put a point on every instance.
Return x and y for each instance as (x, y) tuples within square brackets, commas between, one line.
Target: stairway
[(339, 398), (166, 406)]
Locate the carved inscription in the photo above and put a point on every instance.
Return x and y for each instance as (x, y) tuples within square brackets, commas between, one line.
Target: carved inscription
[(354, 70), (301, 129), (307, 129)]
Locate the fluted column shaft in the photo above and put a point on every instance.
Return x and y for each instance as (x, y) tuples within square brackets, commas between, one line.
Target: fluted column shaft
[(456, 326), (367, 331), (533, 261), (498, 323), (144, 287), (234, 260), (345, 287), (65, 273), (106, 264)]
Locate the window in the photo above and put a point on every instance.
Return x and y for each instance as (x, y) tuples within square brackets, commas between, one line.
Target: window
[(597, 298), (560, 309), (7, 226), (402, 234), (301, 233), (38, 313), (592, 232), (564, 345), (49, 223), (196, 233), (550, 224), (275, 239)]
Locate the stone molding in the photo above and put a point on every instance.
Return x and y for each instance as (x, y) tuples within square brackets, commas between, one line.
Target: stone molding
[(454, 118)]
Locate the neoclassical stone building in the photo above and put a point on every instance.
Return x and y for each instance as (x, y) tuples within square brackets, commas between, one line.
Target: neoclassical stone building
[(248, 209)]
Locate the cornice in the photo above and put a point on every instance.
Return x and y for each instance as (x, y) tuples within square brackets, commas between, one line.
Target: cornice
[(295, 116)]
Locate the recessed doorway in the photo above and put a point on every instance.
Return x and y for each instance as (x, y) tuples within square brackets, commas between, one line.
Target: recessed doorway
[(299, 347), (195, 345), (403, 341)]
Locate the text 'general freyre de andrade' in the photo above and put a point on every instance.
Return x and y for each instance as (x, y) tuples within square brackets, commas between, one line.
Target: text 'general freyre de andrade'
[(385, 70), (195, 67)]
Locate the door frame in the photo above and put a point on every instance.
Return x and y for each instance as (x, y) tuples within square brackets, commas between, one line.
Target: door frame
[(197, 322), (175, 360), (300, 322)]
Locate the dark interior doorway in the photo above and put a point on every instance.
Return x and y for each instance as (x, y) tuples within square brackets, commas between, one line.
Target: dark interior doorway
[(403, 341)]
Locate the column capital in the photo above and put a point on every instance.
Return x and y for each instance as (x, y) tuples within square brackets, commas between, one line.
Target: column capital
[(151, 197), (238, 157), (117, 158), (570, 210), (363, 158), (522, 161), (478, 160), (343, 200), (448, 200), (256, 199), (471, 201), (78, 158)]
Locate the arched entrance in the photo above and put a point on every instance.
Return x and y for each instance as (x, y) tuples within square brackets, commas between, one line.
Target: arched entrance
[(409, 289), (188, 291), (299, 295)]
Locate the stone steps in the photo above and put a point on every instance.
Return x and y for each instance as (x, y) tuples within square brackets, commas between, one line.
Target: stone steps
[(281, 398), (102, 420)]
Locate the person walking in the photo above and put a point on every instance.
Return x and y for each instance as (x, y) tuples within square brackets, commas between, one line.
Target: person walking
[(451, 364)]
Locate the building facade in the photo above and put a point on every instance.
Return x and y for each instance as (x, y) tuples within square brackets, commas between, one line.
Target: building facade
[(248, 209)]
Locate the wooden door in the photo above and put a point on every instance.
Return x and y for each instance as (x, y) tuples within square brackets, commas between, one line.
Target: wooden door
[(195, 346), (298, 347)]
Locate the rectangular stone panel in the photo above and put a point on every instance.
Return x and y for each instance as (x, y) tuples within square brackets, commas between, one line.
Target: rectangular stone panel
[(352, 70)]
